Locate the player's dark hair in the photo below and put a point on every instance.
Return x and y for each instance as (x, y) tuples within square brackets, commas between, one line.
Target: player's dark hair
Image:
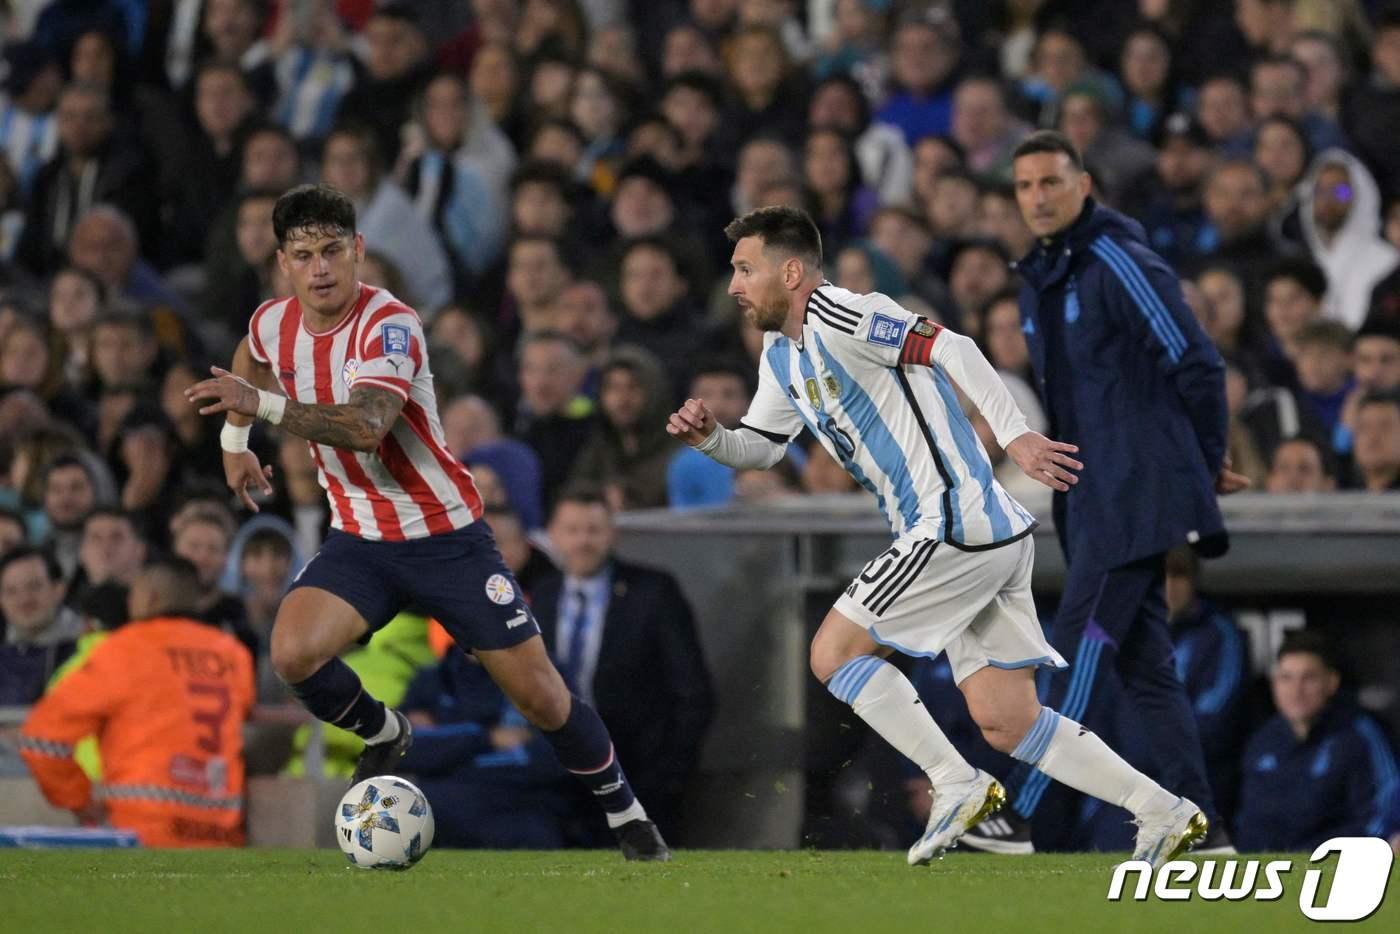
[(268, 540), (52, 569), (176, 580), (113, 512), (582, 494), (1380, 397), (1309, 276), (318, 210), (1310, 641), (1049, 141), (1324, 453), (787, 229)]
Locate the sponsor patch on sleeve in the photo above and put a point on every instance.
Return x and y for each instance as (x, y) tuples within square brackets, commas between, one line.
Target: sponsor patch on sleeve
[(395, 339), (886, 330)]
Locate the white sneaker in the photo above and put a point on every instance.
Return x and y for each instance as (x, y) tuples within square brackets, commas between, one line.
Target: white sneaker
[(956, 809), (1164, 835)]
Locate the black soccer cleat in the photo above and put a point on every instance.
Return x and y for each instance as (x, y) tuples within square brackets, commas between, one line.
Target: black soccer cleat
[(641, 840), (1005, 833), (383, 758)]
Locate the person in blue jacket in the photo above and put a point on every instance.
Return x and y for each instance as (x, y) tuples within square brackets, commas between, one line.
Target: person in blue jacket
[(1127, 374), (1320, 768), (1212, 660)]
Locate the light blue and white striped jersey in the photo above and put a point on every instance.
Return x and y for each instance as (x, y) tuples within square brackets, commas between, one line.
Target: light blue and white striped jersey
[(897, 429)]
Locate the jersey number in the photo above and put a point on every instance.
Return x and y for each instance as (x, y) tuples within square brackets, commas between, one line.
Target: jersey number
[(211, 719), (876, 569)]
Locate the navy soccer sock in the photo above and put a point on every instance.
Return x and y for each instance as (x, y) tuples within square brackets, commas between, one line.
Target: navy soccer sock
[(334, 694), (585, 749)]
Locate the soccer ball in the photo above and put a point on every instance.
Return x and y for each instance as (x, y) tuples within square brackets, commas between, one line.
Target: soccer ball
[(384, 823)]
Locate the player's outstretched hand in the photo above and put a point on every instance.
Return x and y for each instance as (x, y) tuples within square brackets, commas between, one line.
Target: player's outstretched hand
[(229, 394), (243, 471), (692, 422), (1046, 461)]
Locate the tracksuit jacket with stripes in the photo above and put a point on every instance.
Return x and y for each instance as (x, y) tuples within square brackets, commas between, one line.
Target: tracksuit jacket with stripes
[(1127, 374)]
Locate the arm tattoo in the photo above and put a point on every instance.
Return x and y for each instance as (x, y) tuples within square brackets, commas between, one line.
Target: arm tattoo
[(359, 424)]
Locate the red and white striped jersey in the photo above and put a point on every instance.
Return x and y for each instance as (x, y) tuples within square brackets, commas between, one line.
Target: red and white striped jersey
[(411, 486)]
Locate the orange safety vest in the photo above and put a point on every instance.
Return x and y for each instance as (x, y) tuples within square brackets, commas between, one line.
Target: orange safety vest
[(166, 699)]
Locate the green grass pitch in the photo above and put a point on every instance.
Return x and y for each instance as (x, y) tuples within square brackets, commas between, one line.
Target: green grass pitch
[(312, 891)]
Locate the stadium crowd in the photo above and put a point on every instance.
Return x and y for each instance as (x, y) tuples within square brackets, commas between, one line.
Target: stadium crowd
[(547, 182)]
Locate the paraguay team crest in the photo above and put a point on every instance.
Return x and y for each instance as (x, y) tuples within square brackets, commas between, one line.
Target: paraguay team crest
[(347, 372), (499, 589)]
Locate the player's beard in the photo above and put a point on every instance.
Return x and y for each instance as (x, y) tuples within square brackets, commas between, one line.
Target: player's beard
[(771, 313)]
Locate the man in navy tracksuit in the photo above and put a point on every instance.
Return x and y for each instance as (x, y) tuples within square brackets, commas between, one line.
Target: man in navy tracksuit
[(1320, 768), (1127, 374)]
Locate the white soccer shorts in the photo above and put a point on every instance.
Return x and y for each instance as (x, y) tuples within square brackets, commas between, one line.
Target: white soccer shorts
[(921, 597)]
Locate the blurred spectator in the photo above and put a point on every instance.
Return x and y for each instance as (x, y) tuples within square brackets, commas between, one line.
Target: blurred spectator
[(1089, 117), (234, 290), (978, 269), (554, 417), (863, 267), (1278, 87), (28, 129), (473, 432), (1222, 106), (495, 82), (586, 316), (762, 161), (822, 473), (1242, 446), (386, 217), (396, 69), (886, 163), (167, 698), (600, 108), (105, 243), (692, 479), (838, 201), (687, 48), (230, 35), (762, 77), (1342, 227), (69, 494), (1237, 207), (1319, 768), (1328, 72), (265, 569), (536, 274), (657, 312), (1282, 150), (111, 550), (313, 68), (629, 451), (1371, 112), (1375, 365), (77, 298), (306, 500), (1324, 374), (999, 219), (1376, 442), (924, 58), (458, 190), (1149, 80), (542, 200), (624, 638), (904, 237), (984, 126), (150, 470), (1301, 465), (92, 166), (526, 561), (199, 167), (202, 533), (1212, 661), (40, 631), (951, 207), (1168, 201), (1294, 295)]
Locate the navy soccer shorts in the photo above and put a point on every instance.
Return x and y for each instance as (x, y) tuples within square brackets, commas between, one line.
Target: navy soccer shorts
[(458, 579)]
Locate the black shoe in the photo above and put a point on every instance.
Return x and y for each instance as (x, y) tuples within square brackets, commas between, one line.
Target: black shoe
[(1005, 833), (382, 758), (1216, 842), (640, 839)]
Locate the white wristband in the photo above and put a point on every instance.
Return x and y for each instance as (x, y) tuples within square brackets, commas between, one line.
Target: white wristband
[(271, 406), (234, 438)]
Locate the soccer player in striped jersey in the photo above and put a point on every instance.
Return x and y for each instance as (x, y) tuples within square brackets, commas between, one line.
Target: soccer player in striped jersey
[(876, 385), (345, 366)]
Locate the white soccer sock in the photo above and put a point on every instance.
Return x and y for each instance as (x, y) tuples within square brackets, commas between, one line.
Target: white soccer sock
[(885, 699), (633, 811), (388, 732), (1074, 756)]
